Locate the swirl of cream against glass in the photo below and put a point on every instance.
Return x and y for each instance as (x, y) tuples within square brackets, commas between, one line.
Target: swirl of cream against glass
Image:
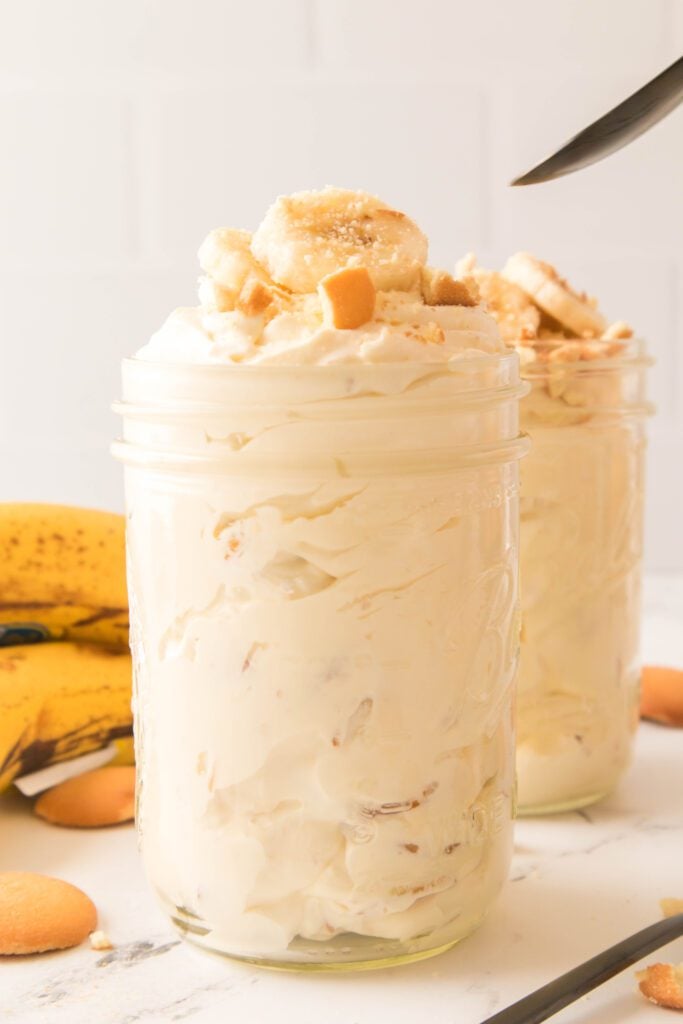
[(581, 533), (322, 560)]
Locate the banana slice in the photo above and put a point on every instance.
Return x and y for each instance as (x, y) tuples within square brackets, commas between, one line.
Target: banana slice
[(517, 316), (440, 289), (309, 235), (554, 295), (225, 257)]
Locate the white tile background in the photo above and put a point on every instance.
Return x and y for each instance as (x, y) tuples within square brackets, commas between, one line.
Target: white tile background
[(131, 128)]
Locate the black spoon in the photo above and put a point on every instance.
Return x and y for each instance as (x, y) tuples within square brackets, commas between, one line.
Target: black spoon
[(551, 998), (615, 129)]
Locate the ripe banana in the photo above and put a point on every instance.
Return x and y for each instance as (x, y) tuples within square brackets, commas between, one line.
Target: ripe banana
[(309, 235), (60, 700), (62, 575), (554, 296)]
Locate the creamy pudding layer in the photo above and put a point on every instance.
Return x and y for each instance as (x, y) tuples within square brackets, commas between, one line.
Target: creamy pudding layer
[(325, 669)]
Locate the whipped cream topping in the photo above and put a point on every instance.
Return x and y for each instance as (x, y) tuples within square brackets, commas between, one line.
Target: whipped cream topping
[(404, 329)]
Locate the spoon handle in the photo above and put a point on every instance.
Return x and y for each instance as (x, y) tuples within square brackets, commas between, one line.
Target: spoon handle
[(613, 130), (546, 1001)]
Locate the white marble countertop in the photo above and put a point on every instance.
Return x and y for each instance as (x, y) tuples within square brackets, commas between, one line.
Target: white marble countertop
[(579, 883)]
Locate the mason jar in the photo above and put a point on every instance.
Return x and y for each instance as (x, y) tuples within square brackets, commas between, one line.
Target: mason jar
[(581, 557), (323, 570)]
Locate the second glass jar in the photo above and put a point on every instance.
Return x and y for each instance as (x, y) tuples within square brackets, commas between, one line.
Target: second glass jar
[(581, 553)]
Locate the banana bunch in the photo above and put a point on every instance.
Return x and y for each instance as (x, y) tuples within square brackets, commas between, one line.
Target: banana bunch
[(62, 580)]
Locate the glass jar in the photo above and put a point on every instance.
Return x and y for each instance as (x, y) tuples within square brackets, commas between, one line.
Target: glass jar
[(581, 553), (324, 626)]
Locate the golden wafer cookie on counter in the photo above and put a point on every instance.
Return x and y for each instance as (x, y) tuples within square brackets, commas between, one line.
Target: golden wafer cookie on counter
[(662, 984), (39, 913), (105, 796), (662, 694)]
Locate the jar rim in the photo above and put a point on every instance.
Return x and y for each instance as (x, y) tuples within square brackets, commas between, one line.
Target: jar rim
[(171, 410), (151, 387), (626, 352)]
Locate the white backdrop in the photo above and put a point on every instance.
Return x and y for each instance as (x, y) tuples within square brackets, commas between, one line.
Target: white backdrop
[(131, 128)]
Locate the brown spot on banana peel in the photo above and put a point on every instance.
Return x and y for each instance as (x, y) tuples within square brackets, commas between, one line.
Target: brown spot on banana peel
[(99, 616), (42, 753), (27, 613), (22, 760), (30, 606), (13, 755), (104, 650), (38, 606)]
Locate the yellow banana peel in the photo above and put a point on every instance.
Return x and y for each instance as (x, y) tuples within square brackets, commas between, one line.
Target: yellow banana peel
[(60, 700), (125, 751)]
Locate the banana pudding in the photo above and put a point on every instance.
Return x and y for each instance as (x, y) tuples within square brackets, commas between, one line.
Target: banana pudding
[(321, 481), (342, 261), (581, 532)]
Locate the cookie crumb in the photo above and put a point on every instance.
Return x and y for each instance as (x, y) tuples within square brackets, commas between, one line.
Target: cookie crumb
[(440, 289), (671, 906), (348, 298), (100, 940), (254, 298), (662, 984)]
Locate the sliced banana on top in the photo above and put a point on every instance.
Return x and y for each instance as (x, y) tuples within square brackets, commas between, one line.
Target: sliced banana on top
[(309, 235), (554, 296)]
